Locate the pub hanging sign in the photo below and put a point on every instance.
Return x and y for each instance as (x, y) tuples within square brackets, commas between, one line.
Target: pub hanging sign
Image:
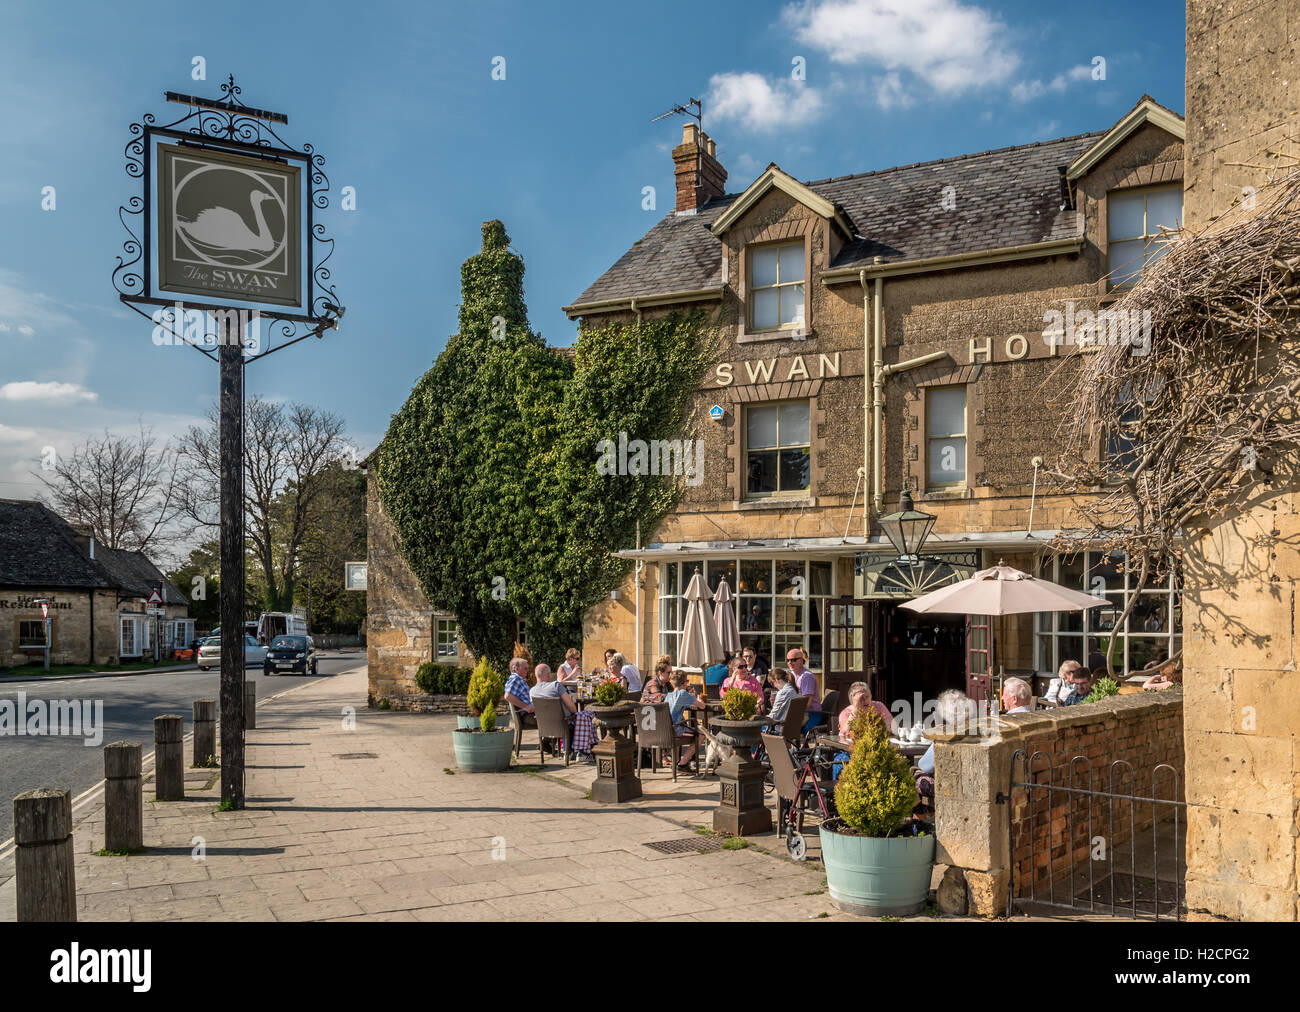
[(229, 226)]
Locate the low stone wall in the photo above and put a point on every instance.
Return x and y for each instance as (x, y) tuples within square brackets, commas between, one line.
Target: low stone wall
[(1143, 729), (423, 702)]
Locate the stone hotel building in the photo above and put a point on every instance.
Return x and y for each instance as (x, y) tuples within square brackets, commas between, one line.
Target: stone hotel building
[(886, 331)]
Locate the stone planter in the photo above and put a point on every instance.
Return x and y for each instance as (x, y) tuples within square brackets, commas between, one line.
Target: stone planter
[(616, 778), (742, 808), (483, 751), (874, 876)]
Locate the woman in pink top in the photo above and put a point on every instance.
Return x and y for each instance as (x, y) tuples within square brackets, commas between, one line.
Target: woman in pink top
[(860, 699), (740, 678)]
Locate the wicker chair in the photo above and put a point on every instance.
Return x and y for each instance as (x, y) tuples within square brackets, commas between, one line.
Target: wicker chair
[(521, 723), (552, 726)]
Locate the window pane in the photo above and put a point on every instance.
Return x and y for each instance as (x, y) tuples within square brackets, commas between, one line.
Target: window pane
[(1142, 650), (946, 411), (789, 615), (1150, 614), (786, 571), (756, 576), (794, 424), (668, 572), (760, 644), (762, 267), (767, 312), (1164, 207), (819, 579), (792, 304), (762, 472), (760, 427), (1126, 261), (718, 570), (1156, 248), (755, 614), (815, 652), (794, 470), (1124, 215), (947, 459), (791, 263)]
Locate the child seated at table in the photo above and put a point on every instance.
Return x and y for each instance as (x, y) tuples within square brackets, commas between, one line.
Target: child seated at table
[(678, 700)]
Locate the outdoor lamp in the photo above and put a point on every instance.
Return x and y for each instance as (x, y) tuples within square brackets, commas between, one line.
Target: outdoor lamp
[(908, 528)]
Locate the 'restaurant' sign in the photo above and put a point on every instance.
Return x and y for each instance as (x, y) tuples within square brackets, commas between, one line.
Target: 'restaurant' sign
[(229, 226)]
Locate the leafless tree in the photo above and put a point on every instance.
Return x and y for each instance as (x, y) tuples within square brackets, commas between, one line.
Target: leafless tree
[(287, 452), (1203, 420), (125, 488)]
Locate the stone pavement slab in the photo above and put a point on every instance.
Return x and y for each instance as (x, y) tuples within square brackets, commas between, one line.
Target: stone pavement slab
[(331, 833)]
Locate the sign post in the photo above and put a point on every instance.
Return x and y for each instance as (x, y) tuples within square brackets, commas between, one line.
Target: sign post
[(226, 212), (45, 614)]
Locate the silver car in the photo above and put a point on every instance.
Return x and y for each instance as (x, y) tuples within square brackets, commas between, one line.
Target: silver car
[(210, 653)]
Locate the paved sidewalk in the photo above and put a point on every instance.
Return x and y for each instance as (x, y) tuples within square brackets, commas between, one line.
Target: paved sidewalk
[(375, 824)]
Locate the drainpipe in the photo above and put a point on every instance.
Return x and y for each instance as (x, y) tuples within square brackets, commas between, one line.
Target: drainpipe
[(868, 372), (636, 592), (878, 395)]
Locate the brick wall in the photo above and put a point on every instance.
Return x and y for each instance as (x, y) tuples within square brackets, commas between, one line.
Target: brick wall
[(1143, 730)]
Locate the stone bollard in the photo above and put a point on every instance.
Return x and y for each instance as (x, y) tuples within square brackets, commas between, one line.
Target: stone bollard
[(205, 731), (123, 797), (44, 869), (169, 758), (250, 706)]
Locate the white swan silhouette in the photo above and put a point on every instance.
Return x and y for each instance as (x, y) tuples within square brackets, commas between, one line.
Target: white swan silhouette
[(222, 228)]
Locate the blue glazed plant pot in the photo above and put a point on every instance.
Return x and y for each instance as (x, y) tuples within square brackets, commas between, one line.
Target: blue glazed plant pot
[(483, 751), (877, 877)]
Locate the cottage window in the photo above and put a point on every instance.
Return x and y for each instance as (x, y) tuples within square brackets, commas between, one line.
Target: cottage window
[(448, 639), (31, 634), (778, 603), (776, 287), (1133, 222), (1150, 631), (777, 449), (945, 429)]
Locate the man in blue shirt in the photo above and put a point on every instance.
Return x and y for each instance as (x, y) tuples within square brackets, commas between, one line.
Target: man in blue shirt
[(1082, 679)]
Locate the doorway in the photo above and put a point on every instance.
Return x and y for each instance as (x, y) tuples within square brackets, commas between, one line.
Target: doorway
[(924, 653)]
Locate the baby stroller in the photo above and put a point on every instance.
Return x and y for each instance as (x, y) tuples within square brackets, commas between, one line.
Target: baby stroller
[(797, 788)]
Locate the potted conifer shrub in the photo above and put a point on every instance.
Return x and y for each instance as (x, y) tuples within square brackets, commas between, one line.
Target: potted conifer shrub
[(483, 749), (878, 863)]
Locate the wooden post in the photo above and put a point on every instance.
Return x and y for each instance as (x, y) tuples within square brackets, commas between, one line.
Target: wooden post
[(123, 797), (205, 731), (169, 757), (250, 705), (44, 869), (231, 359)]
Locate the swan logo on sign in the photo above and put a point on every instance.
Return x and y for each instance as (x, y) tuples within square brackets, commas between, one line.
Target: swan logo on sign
[(228, 226)]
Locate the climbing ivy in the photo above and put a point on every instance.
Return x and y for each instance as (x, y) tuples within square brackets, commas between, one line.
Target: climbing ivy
[(489, 470)]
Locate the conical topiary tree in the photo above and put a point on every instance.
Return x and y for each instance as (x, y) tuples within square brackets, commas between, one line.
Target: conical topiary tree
[(876, 790)]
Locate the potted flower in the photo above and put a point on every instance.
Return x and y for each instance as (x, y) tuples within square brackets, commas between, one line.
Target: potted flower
[(737, 726), (609, 707), (877, 863), (483, 749)]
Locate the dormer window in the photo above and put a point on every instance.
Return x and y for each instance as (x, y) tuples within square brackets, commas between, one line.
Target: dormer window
[(1133, 227), (776, 287)]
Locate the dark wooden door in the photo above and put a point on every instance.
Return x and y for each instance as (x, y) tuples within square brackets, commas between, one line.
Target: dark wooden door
[(854, 647), (979, 656)]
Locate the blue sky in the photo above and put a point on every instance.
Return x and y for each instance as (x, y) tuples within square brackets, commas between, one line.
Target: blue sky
[(399, 97)]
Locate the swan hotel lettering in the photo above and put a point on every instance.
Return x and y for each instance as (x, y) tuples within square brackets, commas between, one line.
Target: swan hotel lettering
[(229, 226)]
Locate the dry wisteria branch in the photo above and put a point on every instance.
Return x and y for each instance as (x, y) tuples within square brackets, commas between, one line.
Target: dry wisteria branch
[(1156, 445)]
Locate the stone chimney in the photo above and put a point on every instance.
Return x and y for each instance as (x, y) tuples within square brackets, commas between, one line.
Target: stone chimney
[(700, 176)]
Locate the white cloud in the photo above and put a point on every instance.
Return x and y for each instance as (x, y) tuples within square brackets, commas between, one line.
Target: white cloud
[(14, 434), (31, 390), (951, 46), (890, 92), (1025, 91), (749, 99), (25, 330)]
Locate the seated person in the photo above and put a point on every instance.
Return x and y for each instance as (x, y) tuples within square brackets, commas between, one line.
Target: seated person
[(1167, 675), (660, 683), (860, 700), (785, 692), (806, 683), (546, 687), (517, 691), (620, 668), (742, 679), (1016, 696), (953, 709), (1082, 681), (713, 677), (678, 700), (572, 666)]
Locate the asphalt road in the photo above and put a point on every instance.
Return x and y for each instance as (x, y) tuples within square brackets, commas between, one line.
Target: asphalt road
[(130, 703)]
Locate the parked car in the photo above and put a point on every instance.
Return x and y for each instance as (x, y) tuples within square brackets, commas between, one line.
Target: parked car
[(210, 653), (290, 654)]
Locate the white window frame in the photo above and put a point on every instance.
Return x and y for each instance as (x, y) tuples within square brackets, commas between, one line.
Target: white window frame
[(779, 286), (964, 436), (1149, 237), (780, 493), (439, 632), (137, 638)]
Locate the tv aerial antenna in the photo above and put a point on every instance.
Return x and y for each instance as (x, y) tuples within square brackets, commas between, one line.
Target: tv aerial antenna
[(697, 114)]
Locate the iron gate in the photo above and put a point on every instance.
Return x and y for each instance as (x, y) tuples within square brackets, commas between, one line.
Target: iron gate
[(1053, 828)]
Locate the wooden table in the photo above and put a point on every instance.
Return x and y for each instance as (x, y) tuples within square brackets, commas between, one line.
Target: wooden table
[(911, 749)]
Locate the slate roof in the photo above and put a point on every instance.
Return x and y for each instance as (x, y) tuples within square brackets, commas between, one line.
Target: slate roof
[(1006, 197), (38, 548)]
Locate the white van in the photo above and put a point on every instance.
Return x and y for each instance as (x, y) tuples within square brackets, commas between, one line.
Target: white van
[(271, 624)]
